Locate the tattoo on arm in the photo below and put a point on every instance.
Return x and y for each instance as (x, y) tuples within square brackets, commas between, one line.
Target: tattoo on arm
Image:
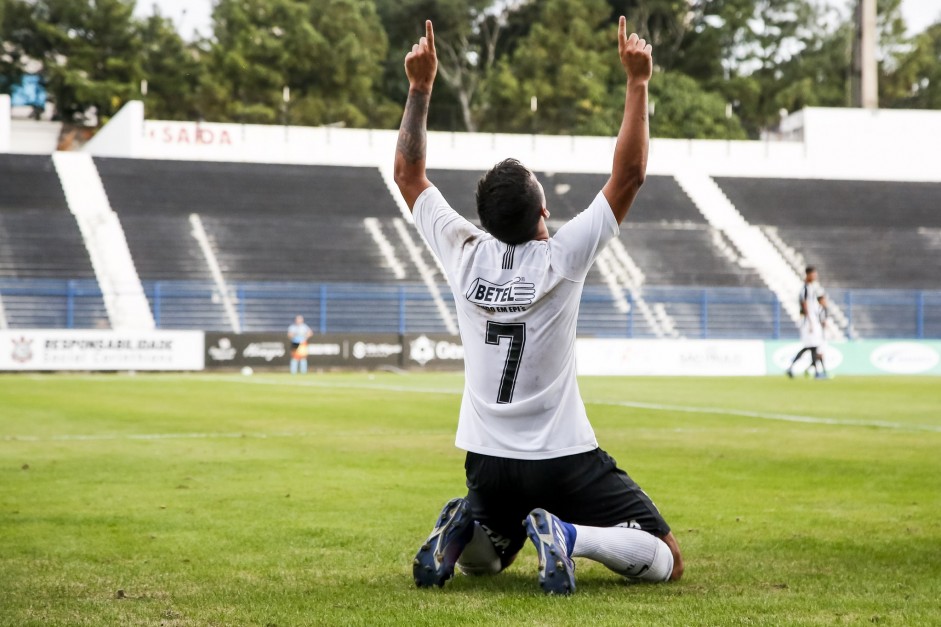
[(412, 133)]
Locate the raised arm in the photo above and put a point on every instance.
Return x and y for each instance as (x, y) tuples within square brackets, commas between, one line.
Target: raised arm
[(630, 152), (421, 65)]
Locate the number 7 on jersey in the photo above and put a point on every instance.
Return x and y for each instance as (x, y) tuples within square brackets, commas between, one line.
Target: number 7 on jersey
[(516, 333)]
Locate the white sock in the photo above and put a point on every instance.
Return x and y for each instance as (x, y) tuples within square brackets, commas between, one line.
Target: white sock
[(629, 552), (479, 557)]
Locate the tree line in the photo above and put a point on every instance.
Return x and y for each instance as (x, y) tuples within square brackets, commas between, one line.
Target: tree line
[(725, 68)]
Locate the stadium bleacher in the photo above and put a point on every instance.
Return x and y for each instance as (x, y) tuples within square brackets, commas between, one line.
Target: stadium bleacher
[(459, 188), (265, 221), (861, 234), (685, 254), (292, 238), (664, 232), (660, 200), (39, 238), (46, 276), (282, 224)]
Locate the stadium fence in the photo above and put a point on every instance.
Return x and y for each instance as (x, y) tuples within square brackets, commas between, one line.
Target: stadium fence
[(695, 312)]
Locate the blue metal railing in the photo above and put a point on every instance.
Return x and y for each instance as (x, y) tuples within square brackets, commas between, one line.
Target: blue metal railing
[(404, 308), (53, 303)]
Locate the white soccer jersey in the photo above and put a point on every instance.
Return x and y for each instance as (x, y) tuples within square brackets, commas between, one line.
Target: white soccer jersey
[(517, 308), (810, 292), (811, 329)]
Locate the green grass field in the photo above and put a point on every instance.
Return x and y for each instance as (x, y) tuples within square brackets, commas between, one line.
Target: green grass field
[(270, 500)]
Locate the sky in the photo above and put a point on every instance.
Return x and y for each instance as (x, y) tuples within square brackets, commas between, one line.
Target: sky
[(193, 15)]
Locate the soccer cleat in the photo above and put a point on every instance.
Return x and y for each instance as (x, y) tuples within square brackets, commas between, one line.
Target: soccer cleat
[(556, 568), (434, 563), (790, 375)]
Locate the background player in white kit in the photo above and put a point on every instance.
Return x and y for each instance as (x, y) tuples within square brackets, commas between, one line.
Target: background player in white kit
[(533, 465), (813, 310)]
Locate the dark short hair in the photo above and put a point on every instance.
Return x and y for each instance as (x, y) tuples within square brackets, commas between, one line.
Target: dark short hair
[(809, 269), (509, 202)]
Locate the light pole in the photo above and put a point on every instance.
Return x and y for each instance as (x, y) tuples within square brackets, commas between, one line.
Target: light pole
[(285, 101), (534, 107), (865, 69)]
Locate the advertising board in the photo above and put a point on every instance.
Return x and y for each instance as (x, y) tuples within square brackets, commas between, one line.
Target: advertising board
[(433, 351), (61, 349), (863, 357), (273, 350), (709, 358)]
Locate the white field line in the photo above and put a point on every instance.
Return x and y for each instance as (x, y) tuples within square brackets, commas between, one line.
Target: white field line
[(686, 409), (141, 436), (841, 422), (248, 435)]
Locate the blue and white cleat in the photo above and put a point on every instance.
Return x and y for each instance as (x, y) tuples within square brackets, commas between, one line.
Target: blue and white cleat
[(434, 563), (556, 568)]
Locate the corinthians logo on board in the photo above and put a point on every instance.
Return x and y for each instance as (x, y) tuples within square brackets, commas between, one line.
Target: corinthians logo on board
[(503, 297), (423, 349), (22, 350), (223, 350)]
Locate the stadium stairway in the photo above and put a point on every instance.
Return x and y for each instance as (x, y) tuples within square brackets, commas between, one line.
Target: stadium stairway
[(399, 247), (226, 297), (754, 245), (43, 259), (386, 248), (104, 238), (230, 231), (620, 273), (799, 263)]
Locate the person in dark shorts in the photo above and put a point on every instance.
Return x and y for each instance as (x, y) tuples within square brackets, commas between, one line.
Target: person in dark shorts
[(534, 468), (813, 309), (583, 489)]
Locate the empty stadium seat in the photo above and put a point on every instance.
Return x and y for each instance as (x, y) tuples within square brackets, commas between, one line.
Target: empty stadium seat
[(39, 238), (685, 255), (264, 221), (860, 234), (278, 233), (567, 194), (46, 276)]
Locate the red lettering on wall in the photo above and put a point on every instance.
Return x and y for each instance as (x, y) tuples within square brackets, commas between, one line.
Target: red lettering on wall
[(188, 135)]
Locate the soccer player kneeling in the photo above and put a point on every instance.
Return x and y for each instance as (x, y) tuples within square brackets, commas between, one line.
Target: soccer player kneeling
[(534, 468)]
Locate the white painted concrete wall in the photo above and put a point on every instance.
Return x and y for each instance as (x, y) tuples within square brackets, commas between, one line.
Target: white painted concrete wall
[(837, 144), (34, 137), (4, 123)]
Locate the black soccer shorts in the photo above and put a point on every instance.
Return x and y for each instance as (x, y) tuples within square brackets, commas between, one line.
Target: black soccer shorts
[(583, 489)]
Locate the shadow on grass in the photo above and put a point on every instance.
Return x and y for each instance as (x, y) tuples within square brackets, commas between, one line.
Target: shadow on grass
[(523, 582)]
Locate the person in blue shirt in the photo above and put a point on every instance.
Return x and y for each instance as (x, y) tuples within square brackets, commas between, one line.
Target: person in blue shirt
[(299, 334)]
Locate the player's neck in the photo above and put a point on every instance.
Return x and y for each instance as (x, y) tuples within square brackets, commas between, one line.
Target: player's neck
[(542, 231)]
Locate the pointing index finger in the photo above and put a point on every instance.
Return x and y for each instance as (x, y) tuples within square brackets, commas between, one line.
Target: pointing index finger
[(430, 34), (622, 28)]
